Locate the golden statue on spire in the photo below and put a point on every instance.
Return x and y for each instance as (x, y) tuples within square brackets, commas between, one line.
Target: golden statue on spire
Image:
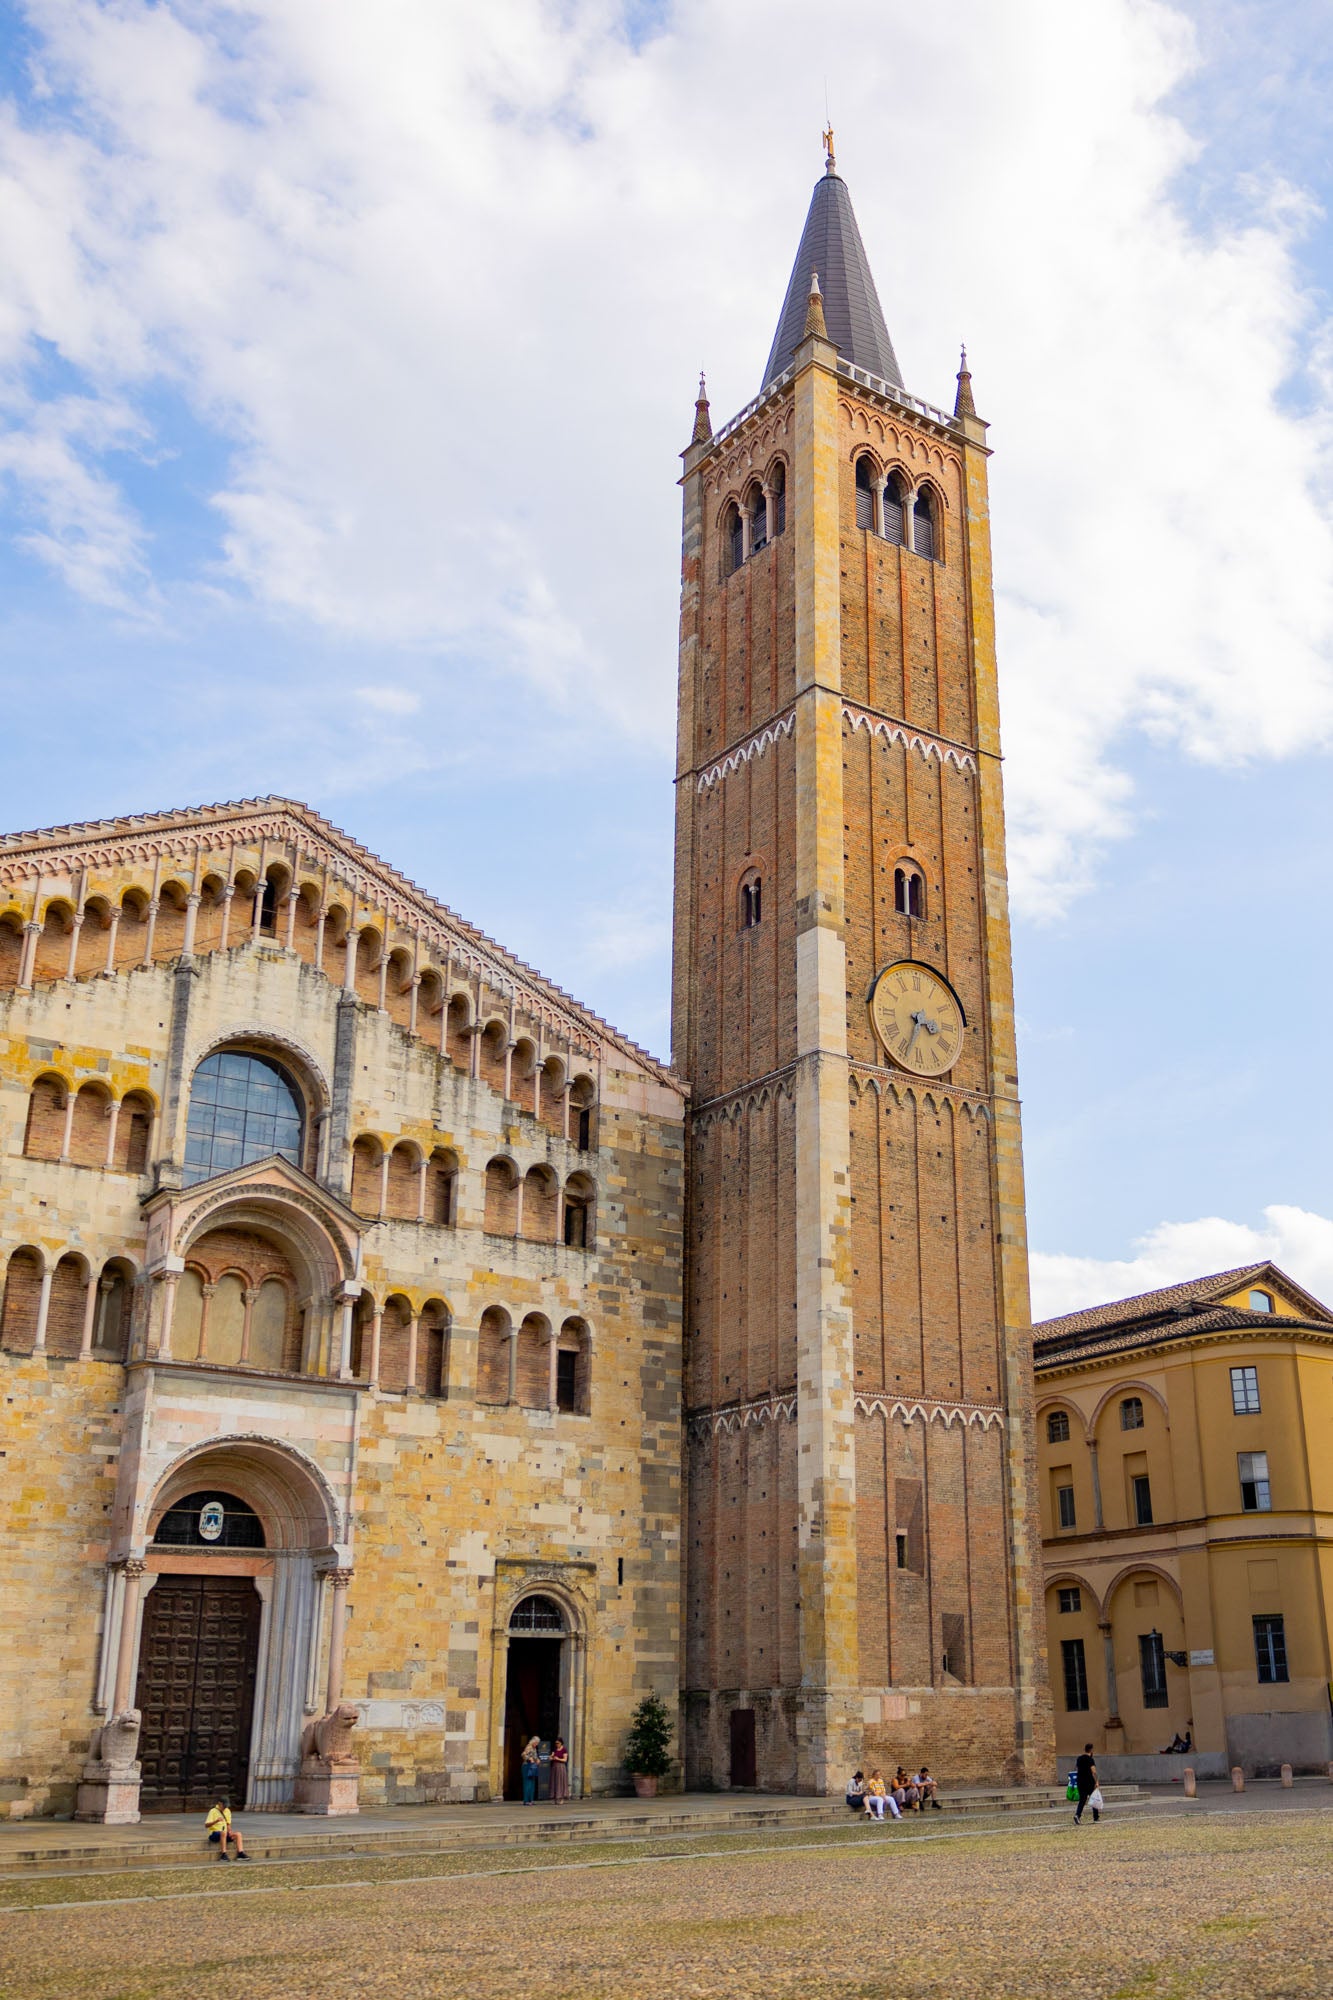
[(830, 162)]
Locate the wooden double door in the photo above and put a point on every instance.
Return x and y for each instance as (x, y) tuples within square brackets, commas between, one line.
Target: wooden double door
[(196, 1691)]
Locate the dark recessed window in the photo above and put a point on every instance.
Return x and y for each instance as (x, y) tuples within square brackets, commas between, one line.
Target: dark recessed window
[(1131, 1414), (1142, 1496), (209, 1521), (923, 524), (537, 1614), (242, 1108), (1064, 1504), (1152, 1670), (865, 493), (566, 1379), (1057, 1427), (1076, 1674), (1071, 1598), (1270, 1649)]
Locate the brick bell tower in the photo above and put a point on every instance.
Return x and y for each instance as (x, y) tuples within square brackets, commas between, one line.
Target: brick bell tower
[(863, 1562)]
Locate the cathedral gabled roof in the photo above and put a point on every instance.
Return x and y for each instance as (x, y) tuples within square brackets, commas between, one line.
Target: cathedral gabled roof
[(831, 246)]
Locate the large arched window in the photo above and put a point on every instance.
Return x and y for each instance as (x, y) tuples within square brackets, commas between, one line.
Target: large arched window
[(242, 1108)]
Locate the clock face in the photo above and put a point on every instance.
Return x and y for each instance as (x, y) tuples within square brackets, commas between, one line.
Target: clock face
[(917, 1018)]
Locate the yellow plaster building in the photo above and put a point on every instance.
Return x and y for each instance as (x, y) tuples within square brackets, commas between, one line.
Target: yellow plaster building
[(1186, 1487)]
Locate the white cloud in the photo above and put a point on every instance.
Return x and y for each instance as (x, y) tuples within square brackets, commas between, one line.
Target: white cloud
[(441, 278), (389, 700), (1300, 1242)]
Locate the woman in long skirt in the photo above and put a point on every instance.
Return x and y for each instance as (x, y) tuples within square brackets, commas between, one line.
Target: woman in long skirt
[(559, 1772)]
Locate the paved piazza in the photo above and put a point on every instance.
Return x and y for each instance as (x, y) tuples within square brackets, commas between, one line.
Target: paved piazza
[(1161, 1900)]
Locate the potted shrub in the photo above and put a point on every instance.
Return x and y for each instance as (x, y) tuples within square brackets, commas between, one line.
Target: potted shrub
[(648, 1751)]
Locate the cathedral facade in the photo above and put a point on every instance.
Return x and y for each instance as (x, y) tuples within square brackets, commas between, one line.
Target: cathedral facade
[(399, 1362), (340, 1334)]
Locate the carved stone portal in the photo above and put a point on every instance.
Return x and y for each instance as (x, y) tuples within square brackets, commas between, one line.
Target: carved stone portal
[(330, 1778), (109, 1789)]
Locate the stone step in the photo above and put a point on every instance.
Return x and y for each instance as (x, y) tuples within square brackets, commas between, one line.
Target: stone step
[(57, 1846)]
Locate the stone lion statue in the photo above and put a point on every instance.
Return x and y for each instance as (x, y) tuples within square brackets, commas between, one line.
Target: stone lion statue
[(116, 1743), (328, 1740)]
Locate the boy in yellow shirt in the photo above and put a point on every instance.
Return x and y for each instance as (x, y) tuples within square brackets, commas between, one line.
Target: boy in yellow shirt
[(221, 1833)]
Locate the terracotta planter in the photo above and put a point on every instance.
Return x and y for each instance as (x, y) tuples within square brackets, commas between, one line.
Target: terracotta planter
[(644, 1788)]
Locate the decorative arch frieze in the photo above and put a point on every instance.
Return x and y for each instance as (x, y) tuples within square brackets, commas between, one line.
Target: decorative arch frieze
[(936, 748), (752, 746), (926, 1410)]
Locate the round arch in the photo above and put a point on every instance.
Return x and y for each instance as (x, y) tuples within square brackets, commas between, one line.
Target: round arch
[(293, 1499), (1118, 1392)]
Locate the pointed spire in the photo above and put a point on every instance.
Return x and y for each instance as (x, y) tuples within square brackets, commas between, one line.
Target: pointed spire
[(814, 311), (963, 406), (832, 251), (703, 424)]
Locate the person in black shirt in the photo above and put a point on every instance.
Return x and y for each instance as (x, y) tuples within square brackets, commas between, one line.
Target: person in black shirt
[(1085, 1777)]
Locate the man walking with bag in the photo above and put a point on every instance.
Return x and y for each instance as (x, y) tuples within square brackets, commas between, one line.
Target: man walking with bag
[(1089, 1791)]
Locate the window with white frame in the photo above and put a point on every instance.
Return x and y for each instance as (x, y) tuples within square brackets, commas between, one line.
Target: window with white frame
[(1255, 1493), (1245, 1391)]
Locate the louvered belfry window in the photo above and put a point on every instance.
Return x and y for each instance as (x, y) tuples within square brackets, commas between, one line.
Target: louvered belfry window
[(735, 539), (758, 521), (865, 495), (893, 512), (924, 525), (777, 480)]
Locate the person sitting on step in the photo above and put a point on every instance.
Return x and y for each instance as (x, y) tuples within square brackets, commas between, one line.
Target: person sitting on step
[(926, 1787), (222, 1833)]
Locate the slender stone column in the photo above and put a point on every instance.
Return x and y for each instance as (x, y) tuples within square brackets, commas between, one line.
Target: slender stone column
[(248, 1297), (339, 1578), (109, 969), (345, 1342), (43, 1308), (67, 1132), (168, 1281), (412, 1325), (74, 930), (376, 1323), (192, 903), (1112, 1695), (1096, 1483), (513, 1365), (151, 932), (412, 1004), (228, 892), (384, 1183), (909, 520), (31, 933), (90, 1295), (134, 1570), (422, 1172)]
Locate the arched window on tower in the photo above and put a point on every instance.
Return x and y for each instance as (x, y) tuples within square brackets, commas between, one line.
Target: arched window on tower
[(777, 486), (751, 909), (909, 890), (923, 524), (893, 509), (733, 539), (758, 512), (865, 493)]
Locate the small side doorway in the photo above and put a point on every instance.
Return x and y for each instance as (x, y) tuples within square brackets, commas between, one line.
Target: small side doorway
[(533, 1687), (196, 1691), (744, 1767)]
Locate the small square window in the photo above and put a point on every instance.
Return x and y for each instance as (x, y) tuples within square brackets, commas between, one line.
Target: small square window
[(1245, 1391), (1255, 1493), (1057, 1427), (1131, 1414), (1071, 1598)]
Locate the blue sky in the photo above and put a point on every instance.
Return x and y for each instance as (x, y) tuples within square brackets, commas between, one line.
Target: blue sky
[(344, 358)]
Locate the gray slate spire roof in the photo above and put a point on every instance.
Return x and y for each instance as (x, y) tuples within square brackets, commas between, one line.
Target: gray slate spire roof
[(831, 245)]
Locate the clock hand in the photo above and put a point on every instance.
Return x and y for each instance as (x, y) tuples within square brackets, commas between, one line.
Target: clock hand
[(919, 1021)]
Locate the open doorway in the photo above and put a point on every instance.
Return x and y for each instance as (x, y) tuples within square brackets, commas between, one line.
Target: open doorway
[(534, 1687)]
